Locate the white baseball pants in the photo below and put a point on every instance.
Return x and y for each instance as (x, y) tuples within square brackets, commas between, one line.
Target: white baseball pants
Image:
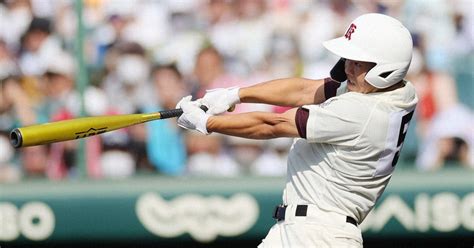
[(317, 229)]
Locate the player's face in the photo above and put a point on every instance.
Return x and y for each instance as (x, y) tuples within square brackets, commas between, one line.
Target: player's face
[(356, 71)]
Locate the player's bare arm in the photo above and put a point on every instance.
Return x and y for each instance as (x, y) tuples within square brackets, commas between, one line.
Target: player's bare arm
[(291, 92), (288, 92), (255, 125)]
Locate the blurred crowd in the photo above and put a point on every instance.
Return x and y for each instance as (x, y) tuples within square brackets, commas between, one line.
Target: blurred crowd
[(144, 56)]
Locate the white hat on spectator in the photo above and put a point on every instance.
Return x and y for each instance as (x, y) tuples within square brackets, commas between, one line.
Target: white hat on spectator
[(133, 69), (62, 64), (96, 102)]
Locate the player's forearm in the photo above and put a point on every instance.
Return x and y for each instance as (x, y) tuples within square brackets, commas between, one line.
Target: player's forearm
[(254, 125), (292, 92)]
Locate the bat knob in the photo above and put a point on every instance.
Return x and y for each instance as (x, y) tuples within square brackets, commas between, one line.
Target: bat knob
[(16, 139)]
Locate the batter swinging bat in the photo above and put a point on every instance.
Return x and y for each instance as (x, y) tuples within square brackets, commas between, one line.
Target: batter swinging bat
[(82, 127)]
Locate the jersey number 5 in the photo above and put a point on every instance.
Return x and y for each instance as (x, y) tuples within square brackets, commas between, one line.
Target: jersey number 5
[(396, 133), (401, 136)]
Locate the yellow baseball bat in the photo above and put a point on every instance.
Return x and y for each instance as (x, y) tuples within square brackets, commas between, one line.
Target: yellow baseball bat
[(82, 127)]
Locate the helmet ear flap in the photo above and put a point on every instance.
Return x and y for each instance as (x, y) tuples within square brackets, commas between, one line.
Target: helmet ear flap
[(338, 72), (386, 75)]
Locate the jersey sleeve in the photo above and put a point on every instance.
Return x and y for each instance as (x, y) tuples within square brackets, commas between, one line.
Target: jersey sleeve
[(336, 121), (330, 87), (301, 119)]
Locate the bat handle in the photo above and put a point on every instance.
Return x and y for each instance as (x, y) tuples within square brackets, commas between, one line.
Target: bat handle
[(16, 139), (165, 114)]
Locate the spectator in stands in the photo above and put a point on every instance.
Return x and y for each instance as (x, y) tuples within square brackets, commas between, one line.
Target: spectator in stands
[(16, 110), (245, 152), (449, 138), (8, 65), (444, 125), (39, 47), (462, 49), (210, 72), (258, 157), (273, 160), (165, 145), (254, 27), (15, 17), (217, 12), (220, 19), (316, 62), (421, 17), (437, 92), (209, 157), (125, 84), (61, 102)]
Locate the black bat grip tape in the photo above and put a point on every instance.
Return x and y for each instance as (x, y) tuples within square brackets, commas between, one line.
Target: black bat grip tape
[(165, 114)]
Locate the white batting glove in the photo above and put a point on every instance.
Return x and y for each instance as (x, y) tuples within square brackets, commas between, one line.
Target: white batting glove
[(185, 99), (193, 117), (220, 100)]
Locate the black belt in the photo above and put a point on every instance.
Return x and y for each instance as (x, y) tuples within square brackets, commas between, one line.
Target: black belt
[(301, 210)]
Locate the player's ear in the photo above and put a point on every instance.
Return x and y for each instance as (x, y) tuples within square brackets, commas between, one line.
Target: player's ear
[(337, 72)]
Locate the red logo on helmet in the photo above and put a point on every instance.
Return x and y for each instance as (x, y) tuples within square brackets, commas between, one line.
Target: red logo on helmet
[(350, 30)]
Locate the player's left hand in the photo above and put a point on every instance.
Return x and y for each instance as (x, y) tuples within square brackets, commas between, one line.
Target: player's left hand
[(220, 100), (193, 117)]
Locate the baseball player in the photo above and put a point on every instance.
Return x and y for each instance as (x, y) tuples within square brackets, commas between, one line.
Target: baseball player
[(348, 135)]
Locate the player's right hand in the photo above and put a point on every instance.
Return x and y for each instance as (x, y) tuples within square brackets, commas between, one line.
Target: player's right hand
[(220, 100)]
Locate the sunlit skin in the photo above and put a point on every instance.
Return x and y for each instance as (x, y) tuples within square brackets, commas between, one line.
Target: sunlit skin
[(293, 92), (356, 71)]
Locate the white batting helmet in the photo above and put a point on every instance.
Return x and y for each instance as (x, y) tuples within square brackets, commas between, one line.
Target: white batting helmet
[(380, 39)]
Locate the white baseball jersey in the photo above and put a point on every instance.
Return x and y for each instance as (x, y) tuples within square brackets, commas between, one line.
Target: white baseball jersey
[(351, 145)]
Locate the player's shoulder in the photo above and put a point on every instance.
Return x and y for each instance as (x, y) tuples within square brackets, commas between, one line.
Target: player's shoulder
[(402, 98), (351, 100), (350, 104)]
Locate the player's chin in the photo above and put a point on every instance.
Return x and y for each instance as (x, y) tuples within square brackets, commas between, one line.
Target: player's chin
[(350, 85)]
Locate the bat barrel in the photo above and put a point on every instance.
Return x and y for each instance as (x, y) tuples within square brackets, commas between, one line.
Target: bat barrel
[(16, 139), (73, 129)]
